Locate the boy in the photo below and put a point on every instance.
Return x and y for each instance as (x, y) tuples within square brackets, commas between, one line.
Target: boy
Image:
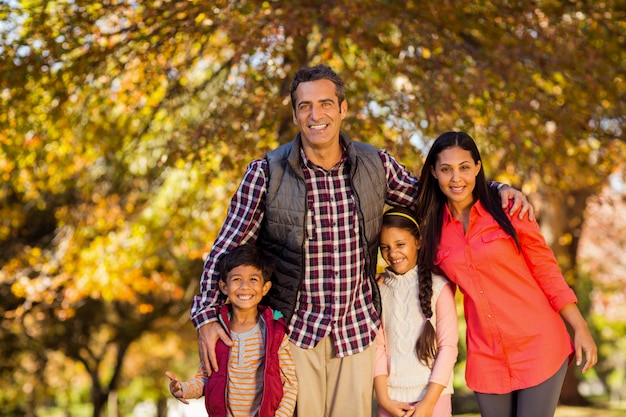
[(257, 374)]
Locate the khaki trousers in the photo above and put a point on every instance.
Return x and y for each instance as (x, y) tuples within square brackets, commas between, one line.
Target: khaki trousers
[(329, 386)]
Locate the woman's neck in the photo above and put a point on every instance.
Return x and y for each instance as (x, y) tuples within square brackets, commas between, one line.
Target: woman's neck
[(461, 212)]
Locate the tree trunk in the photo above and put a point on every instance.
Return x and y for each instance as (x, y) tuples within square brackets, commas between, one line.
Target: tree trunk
[(162, 407), (98, 398), (560, 216)]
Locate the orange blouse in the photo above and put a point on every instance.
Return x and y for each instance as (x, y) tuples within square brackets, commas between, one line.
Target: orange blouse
[(515, 336)]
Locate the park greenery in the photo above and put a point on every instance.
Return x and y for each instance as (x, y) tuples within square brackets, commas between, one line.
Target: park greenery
[(125, 126)]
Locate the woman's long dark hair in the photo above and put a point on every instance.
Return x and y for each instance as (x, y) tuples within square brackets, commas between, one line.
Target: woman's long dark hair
[(426, 345), (431, 200)]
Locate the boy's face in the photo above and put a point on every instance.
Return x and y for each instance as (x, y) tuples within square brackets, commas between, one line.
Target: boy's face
[(245, 286)]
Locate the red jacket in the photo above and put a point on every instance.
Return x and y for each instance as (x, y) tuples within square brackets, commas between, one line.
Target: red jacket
[(215, 388)]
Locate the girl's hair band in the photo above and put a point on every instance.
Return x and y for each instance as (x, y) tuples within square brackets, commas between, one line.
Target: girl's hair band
[(406, 216)]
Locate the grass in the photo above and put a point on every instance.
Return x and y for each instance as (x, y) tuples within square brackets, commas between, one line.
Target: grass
[(566, 411), (464, 405)]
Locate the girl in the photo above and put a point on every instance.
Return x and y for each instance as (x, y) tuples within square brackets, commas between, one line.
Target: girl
[(416, 347), (517, 344)]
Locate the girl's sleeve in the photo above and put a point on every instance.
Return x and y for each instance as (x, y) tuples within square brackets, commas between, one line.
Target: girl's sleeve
[(380, 366), (290, 381), (447, 337)]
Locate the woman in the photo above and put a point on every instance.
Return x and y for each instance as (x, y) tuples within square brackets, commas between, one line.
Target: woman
[(518, 347)]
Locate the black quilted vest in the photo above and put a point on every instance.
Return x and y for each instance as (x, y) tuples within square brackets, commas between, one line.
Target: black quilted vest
[(283, 230)]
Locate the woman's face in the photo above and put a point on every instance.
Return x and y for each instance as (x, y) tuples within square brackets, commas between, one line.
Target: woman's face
[(456, 171), (398, 248)]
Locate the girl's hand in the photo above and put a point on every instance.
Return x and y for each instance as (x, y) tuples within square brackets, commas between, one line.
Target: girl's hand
[(176, 388), (422, 409), (398, 409)]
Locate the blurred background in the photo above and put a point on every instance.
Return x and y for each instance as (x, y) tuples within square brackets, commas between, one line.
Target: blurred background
[(125, 127)]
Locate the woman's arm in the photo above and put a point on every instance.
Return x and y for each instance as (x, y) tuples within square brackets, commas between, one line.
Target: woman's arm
[(583, 341)]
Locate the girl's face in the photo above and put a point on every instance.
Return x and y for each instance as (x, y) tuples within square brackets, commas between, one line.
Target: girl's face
[(456, 173), (399, 248)]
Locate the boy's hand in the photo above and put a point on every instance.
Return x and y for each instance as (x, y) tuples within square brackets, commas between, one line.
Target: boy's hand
[(176, 388)]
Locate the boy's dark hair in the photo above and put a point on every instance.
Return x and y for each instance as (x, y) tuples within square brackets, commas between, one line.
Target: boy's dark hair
[(248, 255), (318, 72)]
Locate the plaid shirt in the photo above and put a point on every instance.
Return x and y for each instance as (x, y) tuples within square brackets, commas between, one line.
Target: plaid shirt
[(336, 295)]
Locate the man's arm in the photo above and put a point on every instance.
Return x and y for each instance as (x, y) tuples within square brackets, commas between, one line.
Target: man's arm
[(401, 184), (242, 224)]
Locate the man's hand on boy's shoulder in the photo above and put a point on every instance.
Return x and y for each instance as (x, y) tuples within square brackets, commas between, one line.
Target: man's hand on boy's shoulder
[(208, 336)]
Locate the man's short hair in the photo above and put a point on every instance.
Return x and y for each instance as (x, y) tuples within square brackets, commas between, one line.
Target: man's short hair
[(318, 72)]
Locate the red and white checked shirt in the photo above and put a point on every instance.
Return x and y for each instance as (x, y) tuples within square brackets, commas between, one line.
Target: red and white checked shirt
[(336, 296)]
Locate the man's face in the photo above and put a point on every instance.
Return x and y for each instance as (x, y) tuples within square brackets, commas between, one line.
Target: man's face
[(318, 114)]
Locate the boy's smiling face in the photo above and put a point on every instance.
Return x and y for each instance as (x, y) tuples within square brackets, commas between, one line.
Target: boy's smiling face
[(245, 287)]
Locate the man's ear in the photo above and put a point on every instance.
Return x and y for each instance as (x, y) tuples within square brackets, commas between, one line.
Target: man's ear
[(343, 109)]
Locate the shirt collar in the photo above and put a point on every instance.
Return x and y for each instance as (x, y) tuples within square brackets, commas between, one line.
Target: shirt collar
[(308, 164), (476, 210)]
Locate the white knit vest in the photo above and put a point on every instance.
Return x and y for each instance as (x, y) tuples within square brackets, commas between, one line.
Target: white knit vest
[(403, 321)]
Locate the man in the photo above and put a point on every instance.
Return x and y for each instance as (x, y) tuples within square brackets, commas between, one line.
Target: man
[(316, 205)]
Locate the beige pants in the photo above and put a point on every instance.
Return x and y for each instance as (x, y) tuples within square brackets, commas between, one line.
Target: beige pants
[(329, 386)]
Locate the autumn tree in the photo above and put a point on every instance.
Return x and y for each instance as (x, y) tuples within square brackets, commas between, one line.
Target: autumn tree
[(125, 126)]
